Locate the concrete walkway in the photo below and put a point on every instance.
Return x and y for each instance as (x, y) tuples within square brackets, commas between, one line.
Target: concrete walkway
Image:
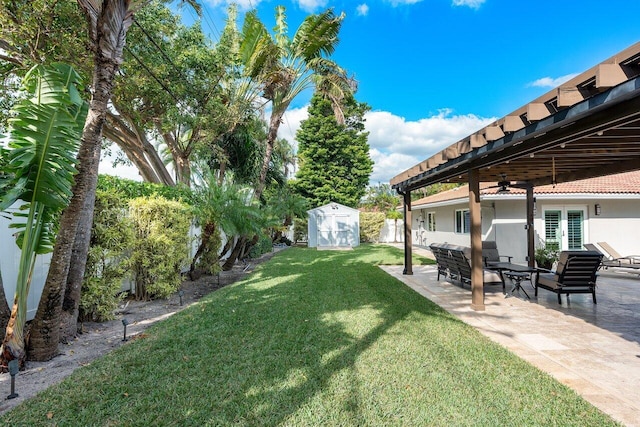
[(592, 348)]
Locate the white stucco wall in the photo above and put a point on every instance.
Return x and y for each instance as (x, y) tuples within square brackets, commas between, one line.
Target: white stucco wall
[(504, 221)]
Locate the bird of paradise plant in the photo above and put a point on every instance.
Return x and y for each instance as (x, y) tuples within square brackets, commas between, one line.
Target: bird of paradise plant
[(37, 175)]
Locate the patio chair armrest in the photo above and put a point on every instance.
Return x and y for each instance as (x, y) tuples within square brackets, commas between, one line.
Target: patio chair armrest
[(508, 257)]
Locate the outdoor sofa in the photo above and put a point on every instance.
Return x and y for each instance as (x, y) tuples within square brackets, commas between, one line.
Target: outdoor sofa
[(454, 262)]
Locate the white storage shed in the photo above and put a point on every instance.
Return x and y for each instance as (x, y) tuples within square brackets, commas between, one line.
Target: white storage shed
[(334, 225)]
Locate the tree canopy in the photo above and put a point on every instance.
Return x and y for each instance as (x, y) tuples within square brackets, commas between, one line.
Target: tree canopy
[(334, 162)]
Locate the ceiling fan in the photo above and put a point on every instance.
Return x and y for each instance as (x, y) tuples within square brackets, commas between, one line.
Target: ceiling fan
[(504, 185)]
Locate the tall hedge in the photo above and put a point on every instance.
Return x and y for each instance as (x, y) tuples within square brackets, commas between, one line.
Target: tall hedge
[(371, 224), (161, 245), (107, 261)]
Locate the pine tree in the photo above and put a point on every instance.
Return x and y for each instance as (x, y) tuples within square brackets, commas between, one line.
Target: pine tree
[(334, 162)]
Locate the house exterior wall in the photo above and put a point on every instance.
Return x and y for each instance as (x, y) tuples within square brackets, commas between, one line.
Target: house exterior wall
[(333, 225), (504, 221)]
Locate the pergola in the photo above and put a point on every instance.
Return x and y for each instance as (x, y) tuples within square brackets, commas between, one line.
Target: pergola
[(584, 128)]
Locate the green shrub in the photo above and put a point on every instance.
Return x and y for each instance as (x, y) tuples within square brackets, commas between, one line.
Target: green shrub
[(263, 246), (111, 239), (300, 230), (161, 245), (371, 224), (131, 189)]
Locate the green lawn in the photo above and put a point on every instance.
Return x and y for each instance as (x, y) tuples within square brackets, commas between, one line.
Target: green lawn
[(321, 338)]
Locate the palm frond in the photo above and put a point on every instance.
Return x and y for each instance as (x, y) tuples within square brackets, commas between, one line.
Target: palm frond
[(255, 47), (43, 139), (281, 29), (317, 35)]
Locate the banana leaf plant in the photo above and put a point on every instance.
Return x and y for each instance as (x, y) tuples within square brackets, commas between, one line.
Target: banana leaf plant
[(37, 175)]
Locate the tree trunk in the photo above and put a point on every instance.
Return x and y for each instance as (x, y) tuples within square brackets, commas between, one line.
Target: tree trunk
[(225, 248), (73, 288), (132, 140), (248, 245), (272, 135), (108, 43), (228, 264), (5, 313), (207, 232)]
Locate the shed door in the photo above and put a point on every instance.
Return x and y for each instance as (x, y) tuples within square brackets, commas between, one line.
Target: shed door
[(325, 236), (341, 230), (333, 230)]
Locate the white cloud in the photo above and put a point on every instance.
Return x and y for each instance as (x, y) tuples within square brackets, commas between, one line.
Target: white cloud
[(473, 4), (397, 144), (362, 9), (291, 124), (311, 5), (551, 82), (242, 4), (399, 2)]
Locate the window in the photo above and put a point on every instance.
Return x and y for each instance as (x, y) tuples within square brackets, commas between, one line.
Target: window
[(463, 222), (552, 229), (575, 221), (431, 220)]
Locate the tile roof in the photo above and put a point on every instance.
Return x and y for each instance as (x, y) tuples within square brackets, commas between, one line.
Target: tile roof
[(623, 183)]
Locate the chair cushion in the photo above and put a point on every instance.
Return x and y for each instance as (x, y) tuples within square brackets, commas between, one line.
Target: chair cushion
[(490, 276), (549, 280), (490, 251)]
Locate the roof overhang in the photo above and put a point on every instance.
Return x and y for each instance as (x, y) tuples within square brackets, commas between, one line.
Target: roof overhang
[(587, 127)]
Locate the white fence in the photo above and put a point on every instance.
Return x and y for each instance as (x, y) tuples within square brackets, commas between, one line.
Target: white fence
[(392, 231), (9, 263)]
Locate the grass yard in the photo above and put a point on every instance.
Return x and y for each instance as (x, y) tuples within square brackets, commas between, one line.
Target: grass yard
[(311, 338)]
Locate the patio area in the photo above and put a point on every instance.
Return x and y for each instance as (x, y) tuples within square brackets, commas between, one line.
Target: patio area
[(592, 348)]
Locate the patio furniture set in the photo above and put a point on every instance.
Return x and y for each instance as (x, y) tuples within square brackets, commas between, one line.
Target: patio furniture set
[(575, 271), (612, 258)]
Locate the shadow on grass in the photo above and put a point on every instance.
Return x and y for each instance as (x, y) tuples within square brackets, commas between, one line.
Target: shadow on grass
[(310, 338), (299, 324)]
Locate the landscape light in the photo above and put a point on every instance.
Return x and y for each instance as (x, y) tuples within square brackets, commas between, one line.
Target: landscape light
[(181, 294), (13, 371), (125, 322)]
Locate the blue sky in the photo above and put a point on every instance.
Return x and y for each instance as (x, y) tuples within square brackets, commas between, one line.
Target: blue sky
[(434, 71)]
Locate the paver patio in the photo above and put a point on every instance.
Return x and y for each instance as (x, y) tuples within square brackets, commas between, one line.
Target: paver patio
[(592, 348)]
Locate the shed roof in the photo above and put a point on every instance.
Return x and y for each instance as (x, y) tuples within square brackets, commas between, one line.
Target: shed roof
[(333, 205)]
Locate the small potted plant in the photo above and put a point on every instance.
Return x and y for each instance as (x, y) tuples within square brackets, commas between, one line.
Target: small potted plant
[(546, 257)]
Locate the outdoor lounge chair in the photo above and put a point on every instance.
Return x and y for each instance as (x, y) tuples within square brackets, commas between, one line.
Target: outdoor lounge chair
[(606, 263), (614, 259), (490, 253), (576, 274)]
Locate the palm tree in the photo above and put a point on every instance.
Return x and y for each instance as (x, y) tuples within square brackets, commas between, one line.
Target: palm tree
[(285, 67), (220, 208), (108, 23), (39, 171)]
